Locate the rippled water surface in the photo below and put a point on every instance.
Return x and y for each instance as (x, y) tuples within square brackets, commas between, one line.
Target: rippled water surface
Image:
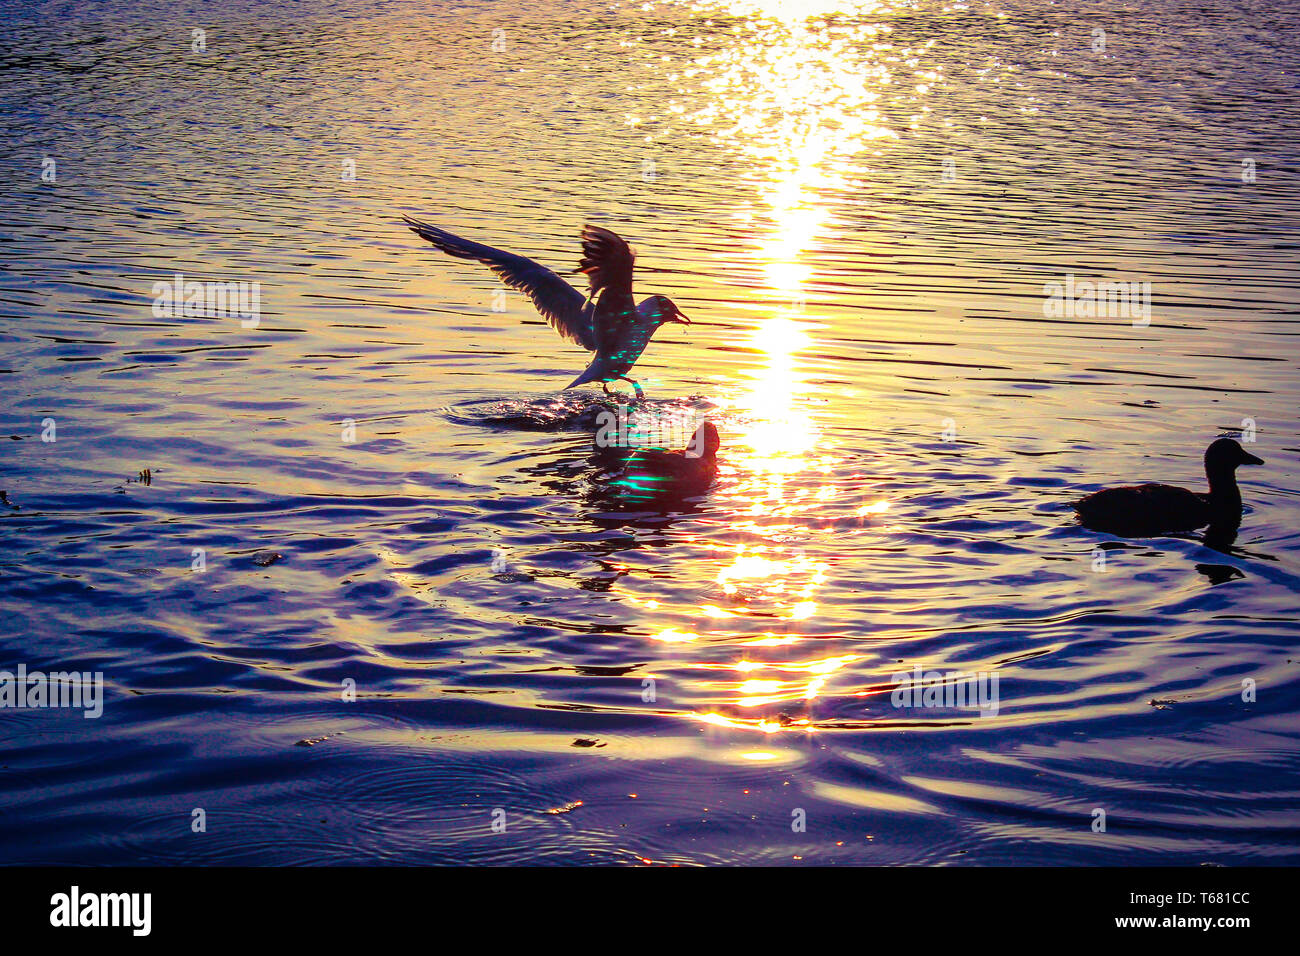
[(859, 204)]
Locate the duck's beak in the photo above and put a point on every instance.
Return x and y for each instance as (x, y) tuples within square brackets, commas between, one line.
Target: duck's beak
[(680, 316), (1248, 459)]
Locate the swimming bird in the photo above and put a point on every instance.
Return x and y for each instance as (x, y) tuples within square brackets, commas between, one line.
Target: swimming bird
[(606, 321), (658, 471), (1153, 509)]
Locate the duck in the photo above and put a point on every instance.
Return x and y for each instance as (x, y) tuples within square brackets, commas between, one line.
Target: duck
[(607, 320), (1154, 509), (659, 471)]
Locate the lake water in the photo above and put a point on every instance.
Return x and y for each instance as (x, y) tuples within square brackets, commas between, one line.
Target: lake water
[(860, 205)]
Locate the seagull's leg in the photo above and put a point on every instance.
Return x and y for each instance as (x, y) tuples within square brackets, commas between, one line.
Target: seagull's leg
[(640, 395)]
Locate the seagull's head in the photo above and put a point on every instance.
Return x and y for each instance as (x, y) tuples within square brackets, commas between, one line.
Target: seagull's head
[(665, 310)]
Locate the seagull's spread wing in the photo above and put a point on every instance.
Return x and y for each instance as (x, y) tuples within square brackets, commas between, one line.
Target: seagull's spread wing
[(559, 302), (606, 261)]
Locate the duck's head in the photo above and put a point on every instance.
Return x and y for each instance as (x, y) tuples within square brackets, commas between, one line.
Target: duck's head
[(1226, 454), (665, 310), (705, 442)]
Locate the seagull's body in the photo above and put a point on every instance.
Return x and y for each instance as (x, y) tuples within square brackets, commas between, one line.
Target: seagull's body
[(608, 321)]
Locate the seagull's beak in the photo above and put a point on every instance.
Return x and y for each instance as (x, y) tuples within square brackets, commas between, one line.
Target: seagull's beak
[(1249, 459)]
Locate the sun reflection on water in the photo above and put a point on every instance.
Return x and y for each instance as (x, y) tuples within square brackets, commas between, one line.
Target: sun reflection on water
[(795, 92), (794, 89)]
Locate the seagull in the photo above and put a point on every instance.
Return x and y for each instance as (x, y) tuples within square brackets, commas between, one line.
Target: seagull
[(606, 321)]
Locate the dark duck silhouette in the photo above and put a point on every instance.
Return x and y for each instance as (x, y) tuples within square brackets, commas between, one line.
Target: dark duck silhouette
[(1154, 509), (659, 472), (607, 321)]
